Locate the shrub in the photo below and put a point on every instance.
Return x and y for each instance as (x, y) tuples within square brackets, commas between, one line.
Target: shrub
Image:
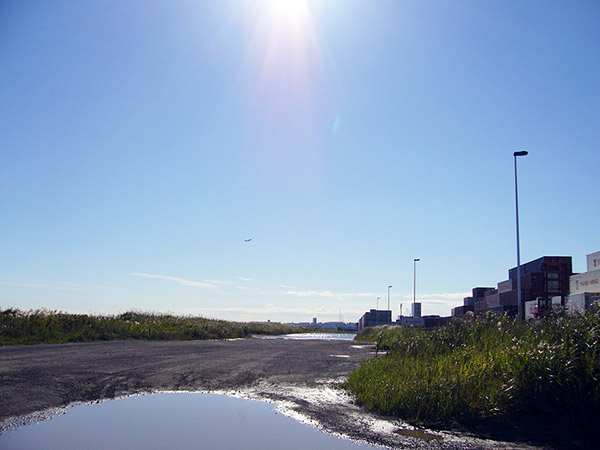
[(42, 326), (487, 371)]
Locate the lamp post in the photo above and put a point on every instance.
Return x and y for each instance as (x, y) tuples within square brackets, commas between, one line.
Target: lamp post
[(415, 283), (378, 303), (519, 307), (389, 287)]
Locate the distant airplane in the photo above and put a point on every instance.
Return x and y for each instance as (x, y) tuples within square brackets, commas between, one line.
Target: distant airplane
[(247, 240)]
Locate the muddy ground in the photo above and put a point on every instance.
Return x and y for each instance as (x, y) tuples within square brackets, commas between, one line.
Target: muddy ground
[(300, 376)]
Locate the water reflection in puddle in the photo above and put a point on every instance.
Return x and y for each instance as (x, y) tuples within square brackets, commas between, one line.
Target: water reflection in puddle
[(173, 420), (321, 336)]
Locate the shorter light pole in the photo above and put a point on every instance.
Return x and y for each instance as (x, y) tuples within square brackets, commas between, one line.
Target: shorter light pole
[(389, 287), (415, 282), (377, 303)]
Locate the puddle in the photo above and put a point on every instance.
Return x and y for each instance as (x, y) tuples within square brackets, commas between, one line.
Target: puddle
[(173, 420), (321, 336)]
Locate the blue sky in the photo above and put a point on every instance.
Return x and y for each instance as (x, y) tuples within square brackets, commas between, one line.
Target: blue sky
[(143, 142)]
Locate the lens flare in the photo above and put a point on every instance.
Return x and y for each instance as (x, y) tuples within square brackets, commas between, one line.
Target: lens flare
[(284, 81)]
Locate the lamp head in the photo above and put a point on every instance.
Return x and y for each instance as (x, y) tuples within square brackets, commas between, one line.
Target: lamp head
[(521, 153)]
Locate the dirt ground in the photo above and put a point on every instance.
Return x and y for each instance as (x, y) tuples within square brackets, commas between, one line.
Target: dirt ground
[(37, 377), (300, 376)]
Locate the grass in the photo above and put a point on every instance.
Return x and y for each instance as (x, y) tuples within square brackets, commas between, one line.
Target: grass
[(42, 326), (489, 373)]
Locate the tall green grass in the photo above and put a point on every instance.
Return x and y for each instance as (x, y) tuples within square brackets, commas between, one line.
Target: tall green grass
[(42, 326), (490, 371)]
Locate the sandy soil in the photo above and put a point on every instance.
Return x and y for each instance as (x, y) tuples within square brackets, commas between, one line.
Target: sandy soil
[(300, 376)]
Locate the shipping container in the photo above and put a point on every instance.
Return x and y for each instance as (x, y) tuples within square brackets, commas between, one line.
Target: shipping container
[(593, 261), (585, 282)]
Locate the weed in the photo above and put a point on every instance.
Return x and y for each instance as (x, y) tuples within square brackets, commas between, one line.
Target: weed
[(42, 326), (488, 371)]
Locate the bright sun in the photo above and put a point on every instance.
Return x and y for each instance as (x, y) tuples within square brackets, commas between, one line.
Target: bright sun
[(284, 72), (284, 54), (288, 8)]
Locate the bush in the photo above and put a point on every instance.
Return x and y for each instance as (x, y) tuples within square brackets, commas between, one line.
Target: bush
[(42, 326), (489, 371)]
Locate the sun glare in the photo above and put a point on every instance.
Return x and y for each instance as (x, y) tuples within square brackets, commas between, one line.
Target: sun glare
[(284, 76), (284, 51), (288, 8)]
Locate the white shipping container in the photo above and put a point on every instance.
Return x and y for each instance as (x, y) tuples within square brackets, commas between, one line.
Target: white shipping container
[(585, 282), (531, 310), (556, 302), (576, 303), (593, 261)]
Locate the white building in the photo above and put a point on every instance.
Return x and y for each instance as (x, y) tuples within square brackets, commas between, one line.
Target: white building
[(585, 287), (415, 321)]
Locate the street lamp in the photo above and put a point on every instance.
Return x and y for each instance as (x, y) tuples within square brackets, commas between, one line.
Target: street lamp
[(415, 283), (378, 303), (519, 307), (389, 287)]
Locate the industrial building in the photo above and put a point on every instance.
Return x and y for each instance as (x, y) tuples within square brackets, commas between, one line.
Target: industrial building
[(545, 277), (383, 317), (433, 321), (587, 282), (412, 321), (375, 317), (544, 281), (585, 287), (477, 300)]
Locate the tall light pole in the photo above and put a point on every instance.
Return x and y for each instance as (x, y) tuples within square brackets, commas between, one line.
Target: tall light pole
[(415, 283), (519, 307), (389, 287), (378, 303)]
